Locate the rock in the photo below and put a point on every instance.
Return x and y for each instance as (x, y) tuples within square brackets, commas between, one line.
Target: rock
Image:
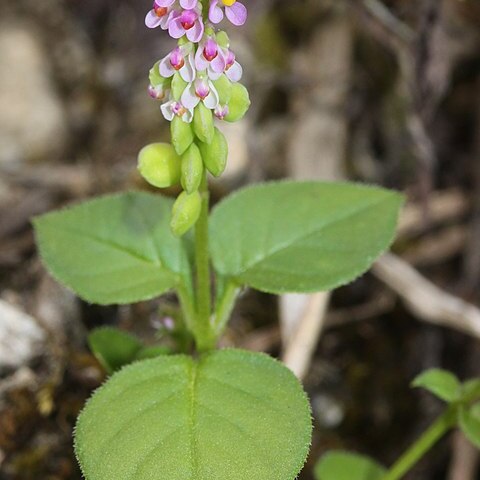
[(21, 337), (32, 118)]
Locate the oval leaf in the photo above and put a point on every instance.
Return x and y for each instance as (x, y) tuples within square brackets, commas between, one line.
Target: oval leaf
[(348, 466), (115, 249), (471, 390), (230, 415), (443, 384), (470, 425), (113, 347), (302, 236)]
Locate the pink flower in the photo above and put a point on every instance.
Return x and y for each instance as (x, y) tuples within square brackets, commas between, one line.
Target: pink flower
[(201, 90), (179, 60), (209, 57), (187, 22), (158, 16), (221, 111), (173, 108), (158, 92), (233, 70), (236, 12), (186, 4)]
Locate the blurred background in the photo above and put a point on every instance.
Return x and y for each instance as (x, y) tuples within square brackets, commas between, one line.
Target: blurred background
[(383, 92)]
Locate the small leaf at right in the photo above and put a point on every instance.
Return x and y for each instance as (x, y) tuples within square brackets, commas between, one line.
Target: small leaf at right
[(471, 389), (113, 347), (469, 421), (348, 466), (445, 385)]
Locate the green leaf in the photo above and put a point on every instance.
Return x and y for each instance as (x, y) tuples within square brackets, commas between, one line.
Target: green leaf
[(471, 389), (301, 236), (231, 414), (152, 352), (470, 425), (348, 466), (443, 384), (113, 347), (115, 249), (475, 411)]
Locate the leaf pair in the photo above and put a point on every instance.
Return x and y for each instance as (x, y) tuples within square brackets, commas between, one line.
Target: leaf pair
[(277, 238)]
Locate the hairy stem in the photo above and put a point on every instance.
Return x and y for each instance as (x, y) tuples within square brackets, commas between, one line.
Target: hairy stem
[(225, 306), (203, 330), (431, 436), (188, 308)]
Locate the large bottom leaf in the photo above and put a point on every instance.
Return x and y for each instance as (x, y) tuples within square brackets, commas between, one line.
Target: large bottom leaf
[(231, 415)]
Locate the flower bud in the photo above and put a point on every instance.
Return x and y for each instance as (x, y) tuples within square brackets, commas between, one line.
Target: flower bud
[(203, 123), (215, 155), (239, 103), (159, 165), (222, 39), (178, 86), (185, 213), (154, 76), (182, 135), (224, 88), (192, 169)]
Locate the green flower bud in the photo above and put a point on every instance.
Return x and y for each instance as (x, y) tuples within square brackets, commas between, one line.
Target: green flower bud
[(159, 165), (155, 77), (192, 169), (215, 155), (186, 211), (224, 88), (203, 123), (222, 39), (239, 103), (210, 31), (178, 86), (182, 135)]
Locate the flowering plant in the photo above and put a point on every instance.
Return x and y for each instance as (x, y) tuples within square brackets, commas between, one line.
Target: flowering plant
[(193, 411)]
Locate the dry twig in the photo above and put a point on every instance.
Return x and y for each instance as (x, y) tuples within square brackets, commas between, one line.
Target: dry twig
[(427, 301)]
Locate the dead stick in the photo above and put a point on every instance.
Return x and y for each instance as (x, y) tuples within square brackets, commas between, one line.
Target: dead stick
[(427, 301)]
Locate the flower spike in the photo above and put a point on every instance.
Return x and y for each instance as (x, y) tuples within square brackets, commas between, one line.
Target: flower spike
[(197, 83)]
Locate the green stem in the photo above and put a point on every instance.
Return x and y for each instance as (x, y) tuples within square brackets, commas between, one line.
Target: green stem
[(225, 306), (431, 436), (188, 308), (206, 5), (203, 330)]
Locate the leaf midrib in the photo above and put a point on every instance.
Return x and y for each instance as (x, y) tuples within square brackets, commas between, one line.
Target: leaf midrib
[(115, 246), (192, 391)]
